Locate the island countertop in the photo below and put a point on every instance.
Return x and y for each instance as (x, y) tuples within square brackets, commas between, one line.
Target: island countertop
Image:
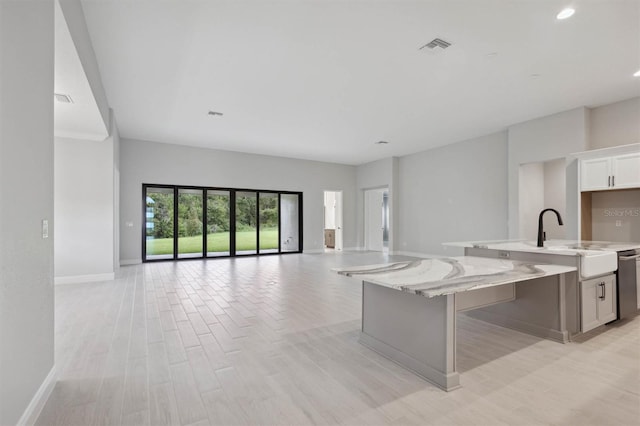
[(449, 275), (550, 246)]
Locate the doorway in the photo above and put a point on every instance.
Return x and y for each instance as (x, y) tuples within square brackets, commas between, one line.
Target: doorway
[(332, 221), (376, 219)]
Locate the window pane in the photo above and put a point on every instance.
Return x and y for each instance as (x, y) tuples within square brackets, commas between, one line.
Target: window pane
[(189, 223), (159, 223), (268, 223), (218, 223), (289, 223), (246, 231)]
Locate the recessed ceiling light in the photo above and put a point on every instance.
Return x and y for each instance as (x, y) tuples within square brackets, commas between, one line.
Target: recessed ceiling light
[(215, 113), (65, 99), (566, 13), (636, 74), (382, 143), (491, 55), (535, 75)]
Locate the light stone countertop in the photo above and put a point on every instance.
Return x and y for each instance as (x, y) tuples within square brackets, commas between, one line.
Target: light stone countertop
[(449, 275), (550, 246)]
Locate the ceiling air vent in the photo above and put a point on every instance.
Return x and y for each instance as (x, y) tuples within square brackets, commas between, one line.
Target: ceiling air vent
[(66, 99), (436, 43)]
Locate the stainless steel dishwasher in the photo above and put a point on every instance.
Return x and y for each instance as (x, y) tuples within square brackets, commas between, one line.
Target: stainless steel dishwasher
[(628, 283)]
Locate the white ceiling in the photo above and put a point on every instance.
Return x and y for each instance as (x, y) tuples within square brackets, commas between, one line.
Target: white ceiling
[(324, 80), (80, 119)]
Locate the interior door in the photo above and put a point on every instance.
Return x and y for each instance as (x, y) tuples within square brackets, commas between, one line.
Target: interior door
[(338, 242), (373, 223)]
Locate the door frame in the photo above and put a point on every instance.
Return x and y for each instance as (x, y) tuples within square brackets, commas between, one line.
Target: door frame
[(365, 216), (338, 218)]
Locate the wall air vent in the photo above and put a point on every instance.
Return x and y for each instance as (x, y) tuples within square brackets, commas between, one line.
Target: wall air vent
[(65, 99), (436, 43)]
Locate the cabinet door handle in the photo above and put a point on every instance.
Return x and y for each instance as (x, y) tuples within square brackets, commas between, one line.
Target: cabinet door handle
[(604, 291), (609, 181), (613, 181)]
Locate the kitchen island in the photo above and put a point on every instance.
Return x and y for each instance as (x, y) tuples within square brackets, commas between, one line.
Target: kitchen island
[(409, 308), (608, 287)]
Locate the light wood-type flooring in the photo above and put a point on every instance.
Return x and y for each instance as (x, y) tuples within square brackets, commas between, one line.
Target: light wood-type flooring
[(274, 340)]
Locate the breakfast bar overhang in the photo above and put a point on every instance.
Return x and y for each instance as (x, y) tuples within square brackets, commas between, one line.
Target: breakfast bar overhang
[(409, 308)]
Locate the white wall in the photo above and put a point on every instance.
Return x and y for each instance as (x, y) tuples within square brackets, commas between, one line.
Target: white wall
[(74, 17), (453, 193), (615, 124), (373, 199), (84, 209), (544, 139), (541, 186), (115, 135), (157, 163), (379, 174), (531, 202), (26, 185), (555, 197)]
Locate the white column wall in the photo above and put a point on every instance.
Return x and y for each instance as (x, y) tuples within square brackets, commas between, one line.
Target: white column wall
[(84, 208), (26, 185)]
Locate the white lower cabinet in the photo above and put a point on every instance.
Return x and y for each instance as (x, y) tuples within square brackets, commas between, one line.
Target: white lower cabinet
[(598, 302)]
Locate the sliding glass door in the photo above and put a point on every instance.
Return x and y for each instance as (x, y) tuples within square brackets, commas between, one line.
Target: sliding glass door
[(269, 223), (183, 222), (246, 222), (290, 223), (158, 236), (190, 218), (218, 223)]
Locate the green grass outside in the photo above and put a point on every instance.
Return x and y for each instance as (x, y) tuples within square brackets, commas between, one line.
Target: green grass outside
[(216, 242)]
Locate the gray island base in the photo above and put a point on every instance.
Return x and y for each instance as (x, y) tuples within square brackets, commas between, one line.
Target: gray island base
[(409, 308)]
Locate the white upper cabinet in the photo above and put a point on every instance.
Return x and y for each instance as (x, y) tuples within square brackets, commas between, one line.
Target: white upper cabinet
[(595, 174), (626, 171), (617, 172)]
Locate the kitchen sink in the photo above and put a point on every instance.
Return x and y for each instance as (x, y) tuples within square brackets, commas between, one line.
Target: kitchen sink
[(592, 262)]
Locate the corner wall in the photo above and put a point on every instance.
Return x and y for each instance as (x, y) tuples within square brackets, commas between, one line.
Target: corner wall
[(26, 185), (159, 163)]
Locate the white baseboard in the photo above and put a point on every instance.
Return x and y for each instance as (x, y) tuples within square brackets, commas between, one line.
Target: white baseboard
[(313, 251), (353, 249), (124, 262), (75, 279), (38, 401)]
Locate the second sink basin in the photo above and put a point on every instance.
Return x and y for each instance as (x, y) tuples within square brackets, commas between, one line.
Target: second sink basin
[(592, 262)]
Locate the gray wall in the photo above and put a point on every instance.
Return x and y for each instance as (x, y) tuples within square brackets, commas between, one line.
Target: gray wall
[(543, 139), (453, 193), (157, 163), (615, 124), (26, 185)]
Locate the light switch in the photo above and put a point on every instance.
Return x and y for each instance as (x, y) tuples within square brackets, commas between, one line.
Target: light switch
[(45, 228), (618, 223), (129, 224)]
